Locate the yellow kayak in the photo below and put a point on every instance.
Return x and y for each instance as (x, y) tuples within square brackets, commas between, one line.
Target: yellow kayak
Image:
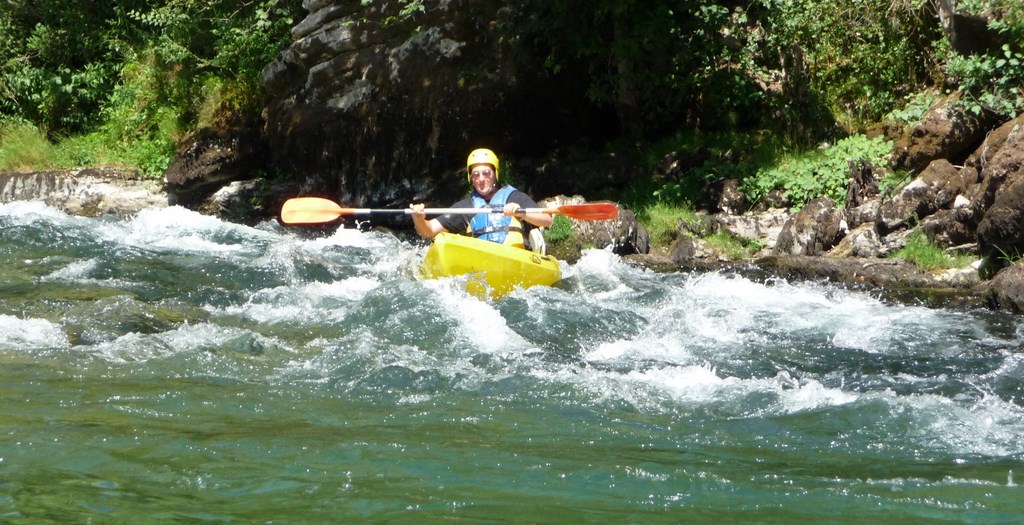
[(494, 268)]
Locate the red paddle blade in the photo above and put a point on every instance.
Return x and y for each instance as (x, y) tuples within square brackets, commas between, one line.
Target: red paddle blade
[(311, 210), (591, 211)]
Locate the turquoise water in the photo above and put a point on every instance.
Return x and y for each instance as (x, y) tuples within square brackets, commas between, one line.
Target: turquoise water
[(173, 368)]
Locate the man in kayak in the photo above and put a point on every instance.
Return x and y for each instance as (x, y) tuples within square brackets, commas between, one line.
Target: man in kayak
[(506, 228)]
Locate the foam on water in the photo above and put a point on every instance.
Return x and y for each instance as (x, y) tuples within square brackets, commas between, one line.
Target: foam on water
[(294, 304), (480, 323), (347, 237), (32, 212), (598, 273), (179, 230), (25, 335), (79, 272), (203, 342)]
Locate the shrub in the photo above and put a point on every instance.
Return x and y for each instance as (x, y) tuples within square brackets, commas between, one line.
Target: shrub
[(560, 230), (822, 173)]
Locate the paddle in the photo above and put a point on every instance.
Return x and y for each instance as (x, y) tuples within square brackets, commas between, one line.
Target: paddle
[(317, 210)]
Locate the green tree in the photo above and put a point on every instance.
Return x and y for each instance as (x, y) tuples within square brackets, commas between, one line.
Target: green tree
[(856, 58), (993, 80), (56, 67)]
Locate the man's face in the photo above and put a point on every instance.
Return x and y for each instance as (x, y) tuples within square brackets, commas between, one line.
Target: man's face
[(483, 179)]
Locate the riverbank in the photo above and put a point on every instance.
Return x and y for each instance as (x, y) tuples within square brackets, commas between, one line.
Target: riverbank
[(95, 192), (891, 279)]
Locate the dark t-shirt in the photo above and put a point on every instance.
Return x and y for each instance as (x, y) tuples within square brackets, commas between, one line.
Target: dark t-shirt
[(459, 223)]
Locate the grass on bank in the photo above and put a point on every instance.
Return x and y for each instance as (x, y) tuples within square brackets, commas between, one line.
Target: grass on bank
[(24, 148), (927, 255), (662, 221)]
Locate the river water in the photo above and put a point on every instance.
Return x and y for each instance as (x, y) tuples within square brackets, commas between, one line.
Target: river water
[(174, 368)]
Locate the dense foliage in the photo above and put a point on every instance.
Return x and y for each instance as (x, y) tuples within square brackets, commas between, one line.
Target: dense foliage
[(130, 77), (754, 83)]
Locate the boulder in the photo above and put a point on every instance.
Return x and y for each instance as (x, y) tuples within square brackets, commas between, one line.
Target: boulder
[(624, 234), (953, 227), (994, 140), (212, 158), (763, 227), (1000, 231), (686, 251), (1006, 290), (947, 131), (862, 241), (936, 188), (865, 213), (813, 230)]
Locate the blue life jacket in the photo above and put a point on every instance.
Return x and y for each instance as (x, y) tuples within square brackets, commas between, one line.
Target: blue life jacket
[(496, 227)]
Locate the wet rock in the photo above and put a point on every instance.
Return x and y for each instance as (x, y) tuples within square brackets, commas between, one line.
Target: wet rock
[(886, 273), (687, 249), (236, 202), (213, 158), (87, 192), (624, 234), (1006, 290)]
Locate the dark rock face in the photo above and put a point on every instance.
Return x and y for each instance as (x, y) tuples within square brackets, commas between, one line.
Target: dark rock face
[(375, 109), (213, 158)]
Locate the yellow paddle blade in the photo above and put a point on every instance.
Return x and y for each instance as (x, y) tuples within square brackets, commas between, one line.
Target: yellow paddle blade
[(311, 210)]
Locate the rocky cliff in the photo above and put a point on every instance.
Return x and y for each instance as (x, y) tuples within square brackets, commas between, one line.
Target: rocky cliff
[(373, 107)]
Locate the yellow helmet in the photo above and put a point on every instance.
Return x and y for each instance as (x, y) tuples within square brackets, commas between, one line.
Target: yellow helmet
[(482, 156)]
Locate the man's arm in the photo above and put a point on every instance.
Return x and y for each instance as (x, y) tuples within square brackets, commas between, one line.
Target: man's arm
[(427, 228), (520, 200)]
